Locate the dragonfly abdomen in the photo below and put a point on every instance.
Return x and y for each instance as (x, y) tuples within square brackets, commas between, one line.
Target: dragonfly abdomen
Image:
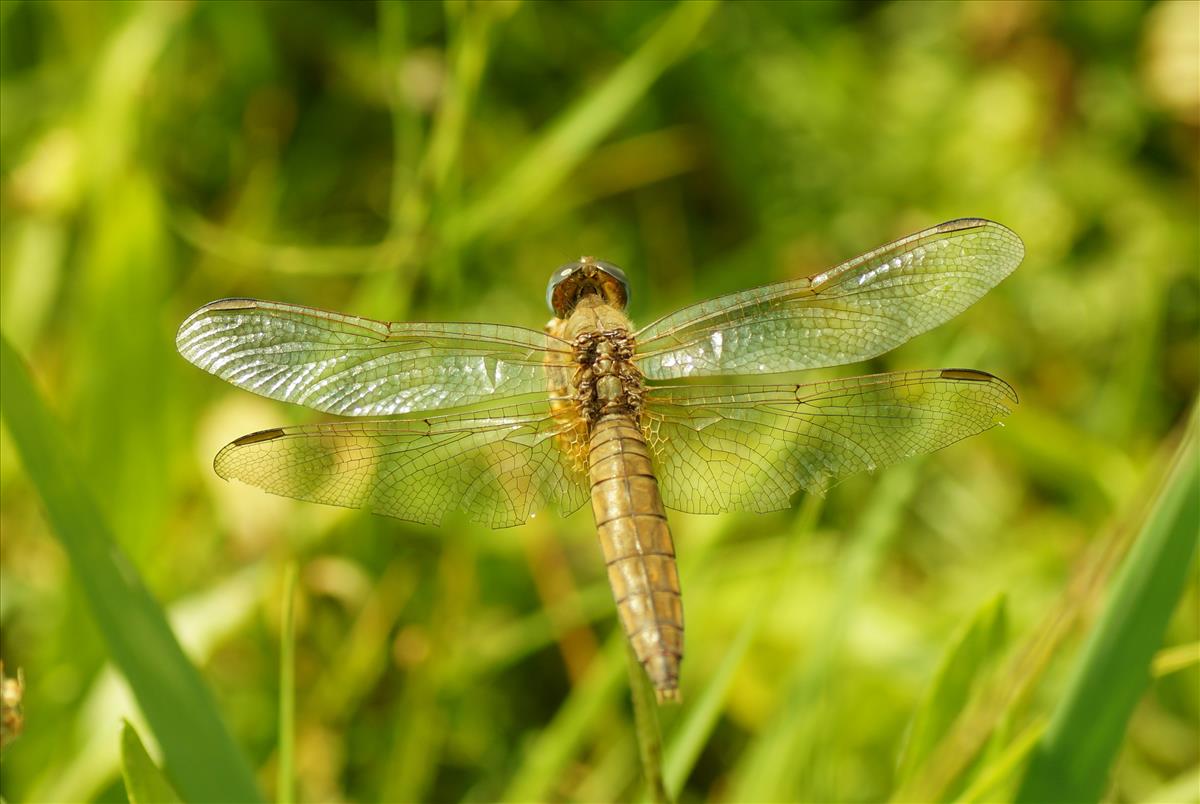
[(638, 551)]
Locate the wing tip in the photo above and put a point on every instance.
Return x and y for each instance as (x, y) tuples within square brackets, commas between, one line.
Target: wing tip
[(220, 460), (231, 303), (260, 435), (183, 336), (965, 224), (960, 224), (975, 375)]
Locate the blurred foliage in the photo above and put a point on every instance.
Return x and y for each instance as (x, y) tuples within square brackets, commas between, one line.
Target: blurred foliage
[(436, 161), (1113, 668)]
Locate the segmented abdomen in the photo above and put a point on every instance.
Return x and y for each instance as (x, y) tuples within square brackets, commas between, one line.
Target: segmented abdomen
[(635, 537)]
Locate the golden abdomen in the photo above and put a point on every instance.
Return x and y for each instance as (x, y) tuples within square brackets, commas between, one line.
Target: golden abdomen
[(638, 551)]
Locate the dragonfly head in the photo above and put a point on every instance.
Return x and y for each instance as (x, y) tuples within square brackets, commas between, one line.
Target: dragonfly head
[(571, 282)]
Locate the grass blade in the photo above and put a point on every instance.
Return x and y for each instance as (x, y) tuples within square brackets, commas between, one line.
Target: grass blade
[(690, 738), (1072, 761), (785, 755), (200, 755), (1004, 768), (687, 742), (1172, 660), (285, 789), (649, 735), (971, 650), (564, 145), (202, 621), (553, 749), (1014, 682), (144, 781)]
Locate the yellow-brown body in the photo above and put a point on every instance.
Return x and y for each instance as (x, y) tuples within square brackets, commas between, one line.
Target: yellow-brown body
[(601, 402)]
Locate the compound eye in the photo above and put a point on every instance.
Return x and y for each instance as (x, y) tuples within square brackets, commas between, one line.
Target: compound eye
[(561, 274), (616, 273), (570, 281)]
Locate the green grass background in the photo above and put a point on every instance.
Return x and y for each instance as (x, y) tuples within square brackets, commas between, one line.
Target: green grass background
[(918, 634)]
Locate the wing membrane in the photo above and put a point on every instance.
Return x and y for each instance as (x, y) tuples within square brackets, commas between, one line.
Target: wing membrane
[(860, 309), (751, 449), (499, 466), (359, 367)]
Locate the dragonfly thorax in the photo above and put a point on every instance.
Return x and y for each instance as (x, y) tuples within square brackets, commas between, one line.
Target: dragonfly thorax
[(607, 381)]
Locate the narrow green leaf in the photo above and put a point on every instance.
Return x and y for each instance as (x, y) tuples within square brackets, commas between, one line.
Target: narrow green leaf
[(1003, 768), (569, 139), (549, 754), (285, 791), (686, 743), (1073, 760), (689, 739), (144, 781), (199, 752), (971, 650), (782, 760), (1173, 659), (649, 734)]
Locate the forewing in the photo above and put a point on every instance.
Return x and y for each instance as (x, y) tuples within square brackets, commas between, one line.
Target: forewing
[(359, 367), (499, 466), (860, 309), (751, 449)]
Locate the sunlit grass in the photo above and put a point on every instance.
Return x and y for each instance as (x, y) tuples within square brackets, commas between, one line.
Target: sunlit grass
[(169, 691)]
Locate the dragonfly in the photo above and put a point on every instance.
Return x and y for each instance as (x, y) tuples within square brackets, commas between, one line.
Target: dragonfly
[(593, 409)]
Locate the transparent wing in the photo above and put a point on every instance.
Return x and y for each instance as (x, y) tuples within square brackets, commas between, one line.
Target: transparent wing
[(853, 312), (358, 367), (751, 449), (500, 466)]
